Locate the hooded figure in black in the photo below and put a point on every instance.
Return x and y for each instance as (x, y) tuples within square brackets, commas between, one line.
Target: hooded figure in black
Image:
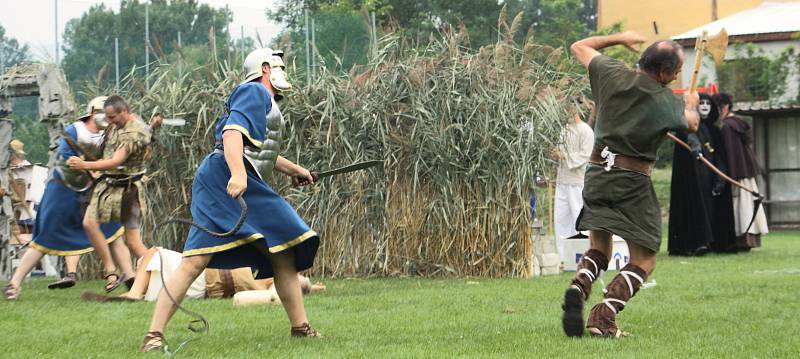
[(699, 217), (721, 209)]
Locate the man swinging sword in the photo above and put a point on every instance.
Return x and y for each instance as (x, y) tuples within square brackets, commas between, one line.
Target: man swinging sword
[(635, 110), (274, 240)]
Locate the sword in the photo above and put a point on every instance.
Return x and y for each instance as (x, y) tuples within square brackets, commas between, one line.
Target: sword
[(337, 171)]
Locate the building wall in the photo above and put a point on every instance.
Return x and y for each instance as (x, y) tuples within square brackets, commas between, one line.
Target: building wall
[(672, 17)]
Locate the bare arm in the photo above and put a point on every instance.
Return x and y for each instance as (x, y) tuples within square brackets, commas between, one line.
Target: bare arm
[(690, 111), (234, 156), (119, 157), (299, 174), (587, 49)]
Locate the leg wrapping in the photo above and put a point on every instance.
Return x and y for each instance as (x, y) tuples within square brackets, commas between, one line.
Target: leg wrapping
[(620, 290), (589, 267)]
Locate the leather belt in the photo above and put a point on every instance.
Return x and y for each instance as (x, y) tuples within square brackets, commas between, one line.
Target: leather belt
[(623, 162)]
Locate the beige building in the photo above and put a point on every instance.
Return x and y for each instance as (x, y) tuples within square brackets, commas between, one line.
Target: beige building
[(662, 19)]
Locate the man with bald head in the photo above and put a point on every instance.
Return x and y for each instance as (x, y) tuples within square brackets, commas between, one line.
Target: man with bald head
[(635, 110)]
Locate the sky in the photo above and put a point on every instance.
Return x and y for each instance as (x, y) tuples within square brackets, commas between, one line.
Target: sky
[(32, 22)]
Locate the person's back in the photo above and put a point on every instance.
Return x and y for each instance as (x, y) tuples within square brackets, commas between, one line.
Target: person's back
[(634, 112)]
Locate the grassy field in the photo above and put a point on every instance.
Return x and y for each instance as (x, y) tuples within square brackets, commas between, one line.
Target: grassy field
[(713, 307)]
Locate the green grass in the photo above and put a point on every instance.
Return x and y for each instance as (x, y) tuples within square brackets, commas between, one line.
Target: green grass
[(713, 307)]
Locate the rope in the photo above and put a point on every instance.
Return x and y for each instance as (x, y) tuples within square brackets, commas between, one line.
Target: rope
[(200, 324)]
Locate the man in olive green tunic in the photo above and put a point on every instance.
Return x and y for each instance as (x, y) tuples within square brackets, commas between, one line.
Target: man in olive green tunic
[(635, 110), (118, 194)]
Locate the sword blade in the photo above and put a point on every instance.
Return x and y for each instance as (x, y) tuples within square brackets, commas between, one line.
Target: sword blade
[(350, 168)]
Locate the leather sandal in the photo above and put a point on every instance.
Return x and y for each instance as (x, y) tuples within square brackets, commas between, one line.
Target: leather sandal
[(153, 340), (305, 330), (110, 286), (67, 282), (11, 292)]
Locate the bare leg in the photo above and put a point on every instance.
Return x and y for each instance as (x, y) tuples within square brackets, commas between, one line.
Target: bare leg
[(189, 269), (139, 287), (601, 241), (287, 283), (72, 263), (642, 257), (98, 240), (122, 257), (26, 265), (133, 240)]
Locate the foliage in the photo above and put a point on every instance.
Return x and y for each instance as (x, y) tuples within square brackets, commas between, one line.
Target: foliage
[(11, 52), (618, 52), (461, 135), (34, 135), (556, 23), (688, 314), (89, 40), (754, 75)]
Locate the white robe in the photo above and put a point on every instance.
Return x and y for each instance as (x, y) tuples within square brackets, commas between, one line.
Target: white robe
[(743, 210), (577, 148)]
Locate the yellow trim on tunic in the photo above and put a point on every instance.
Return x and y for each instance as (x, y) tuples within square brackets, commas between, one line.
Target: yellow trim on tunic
[(293, 242), (244, 131), (246, 240), (223, 247), (56, 252)]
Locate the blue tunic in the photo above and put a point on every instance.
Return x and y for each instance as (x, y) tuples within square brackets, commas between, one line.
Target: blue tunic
[(271, 224), (58, 228)]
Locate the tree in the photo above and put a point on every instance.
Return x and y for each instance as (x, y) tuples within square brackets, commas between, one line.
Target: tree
[(89, 40), (555, 22), (11, 53)]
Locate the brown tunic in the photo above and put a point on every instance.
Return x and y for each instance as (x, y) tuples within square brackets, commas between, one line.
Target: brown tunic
[(107, 199)]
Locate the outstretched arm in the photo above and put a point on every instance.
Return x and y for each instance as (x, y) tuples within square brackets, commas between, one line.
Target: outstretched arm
[(119, 157), (587, 49), (299, 174)]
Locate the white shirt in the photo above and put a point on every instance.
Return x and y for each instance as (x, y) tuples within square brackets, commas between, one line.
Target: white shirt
[(576, 150)]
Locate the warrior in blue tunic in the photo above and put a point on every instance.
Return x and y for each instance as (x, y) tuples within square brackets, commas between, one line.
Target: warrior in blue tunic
[(274, 240), (58, 228)]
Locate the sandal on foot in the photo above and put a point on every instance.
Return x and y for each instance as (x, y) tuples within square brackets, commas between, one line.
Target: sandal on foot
[(153, 340), (608, 333), (110, 286), (572, 319), (305, 330), (67, 282), (11, 292)]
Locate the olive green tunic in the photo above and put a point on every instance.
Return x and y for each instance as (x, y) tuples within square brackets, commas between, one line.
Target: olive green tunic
[(634, 113), (107, 199)]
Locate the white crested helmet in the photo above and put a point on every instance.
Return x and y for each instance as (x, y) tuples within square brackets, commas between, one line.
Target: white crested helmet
[(253, 64), (96, 104)]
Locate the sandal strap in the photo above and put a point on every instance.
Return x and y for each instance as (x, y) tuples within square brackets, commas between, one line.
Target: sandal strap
[(304, 330), (10, 292), (152, 340)]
